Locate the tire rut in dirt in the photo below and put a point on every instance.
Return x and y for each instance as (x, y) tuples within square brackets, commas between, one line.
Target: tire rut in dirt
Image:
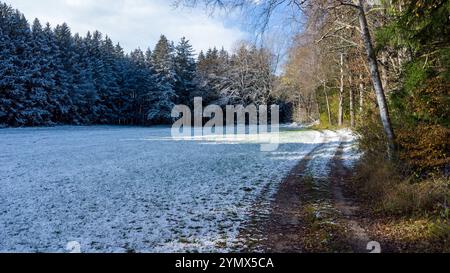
[(278, 230)]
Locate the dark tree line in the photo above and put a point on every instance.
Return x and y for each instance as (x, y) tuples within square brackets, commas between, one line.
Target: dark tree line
[(49, 76)]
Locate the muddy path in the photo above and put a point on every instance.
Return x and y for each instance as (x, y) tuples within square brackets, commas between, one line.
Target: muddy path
[(309, 213), (278, 230), (281, 231), (339, 177)]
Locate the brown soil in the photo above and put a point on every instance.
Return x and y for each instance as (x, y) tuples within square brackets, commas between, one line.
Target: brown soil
[(309, 215)]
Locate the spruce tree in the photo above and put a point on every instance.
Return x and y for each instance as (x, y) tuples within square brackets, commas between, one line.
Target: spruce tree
[(65, 58), (185, 69), (42, 81), (7, 68), (164, 96)]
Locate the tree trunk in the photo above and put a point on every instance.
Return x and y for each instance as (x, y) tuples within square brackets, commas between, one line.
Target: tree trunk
[(328, 103), (384, 71), (341, 94), (377, 84), (352, 102), (361, 94)]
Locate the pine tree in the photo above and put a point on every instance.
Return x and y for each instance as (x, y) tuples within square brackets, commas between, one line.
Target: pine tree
[(123, 100), (201, 64), (163, 62), (149, 58), (164, 95), (42, 81), (18, 73), (53, 77), (7, 68), (54, 95), (185, 69), (210, 75), (86, 96), (64, 70), (146, 99), (110, 80)]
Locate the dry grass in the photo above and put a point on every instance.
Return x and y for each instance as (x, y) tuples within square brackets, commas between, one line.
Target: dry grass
[(412, 214), (427, 196), (378, 180), (418, 235)]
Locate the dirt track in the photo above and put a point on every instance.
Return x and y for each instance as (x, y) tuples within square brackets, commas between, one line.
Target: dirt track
[(310, 214)]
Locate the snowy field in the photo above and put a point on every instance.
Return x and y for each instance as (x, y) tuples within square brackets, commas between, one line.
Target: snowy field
[(123, 189)]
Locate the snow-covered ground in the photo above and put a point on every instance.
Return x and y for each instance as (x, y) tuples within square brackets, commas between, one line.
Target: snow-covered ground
[(319, 166), (119, 189)]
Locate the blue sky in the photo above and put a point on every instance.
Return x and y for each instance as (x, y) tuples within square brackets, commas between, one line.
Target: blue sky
[(137, 23)]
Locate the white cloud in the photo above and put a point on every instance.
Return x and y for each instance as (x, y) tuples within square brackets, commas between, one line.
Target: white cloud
[(133, 23)]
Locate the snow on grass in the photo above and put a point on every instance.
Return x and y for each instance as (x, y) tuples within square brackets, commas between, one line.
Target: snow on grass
[(351, 154), (319, 166), (122, 189)]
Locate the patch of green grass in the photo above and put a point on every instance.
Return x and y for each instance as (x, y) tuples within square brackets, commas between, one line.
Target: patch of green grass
[(184, 240)]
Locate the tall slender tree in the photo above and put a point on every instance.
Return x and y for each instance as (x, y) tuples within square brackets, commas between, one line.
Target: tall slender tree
[(185, 69)]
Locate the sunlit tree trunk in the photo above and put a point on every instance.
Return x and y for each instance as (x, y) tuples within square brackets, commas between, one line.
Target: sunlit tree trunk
[(352, 102), (361, 94), (328, 103), (384, 72), (376, 79), (341, 94)]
